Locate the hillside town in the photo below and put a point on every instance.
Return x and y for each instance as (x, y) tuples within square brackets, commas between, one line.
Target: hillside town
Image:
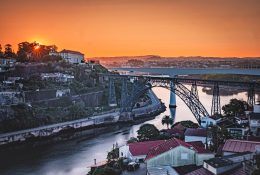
[(219, 146), (44, 92)]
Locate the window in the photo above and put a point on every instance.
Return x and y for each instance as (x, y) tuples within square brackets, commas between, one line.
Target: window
[(184, 156), (122, 154)]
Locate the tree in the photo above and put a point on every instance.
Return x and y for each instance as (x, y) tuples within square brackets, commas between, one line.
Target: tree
[(218, 136), (167, 120), (1, 53), (147, 132), (186, 124), (24, 49), (235, 107), (132, 140), (9, 51)]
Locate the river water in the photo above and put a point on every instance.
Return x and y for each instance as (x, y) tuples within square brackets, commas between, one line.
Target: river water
[(73, 157)]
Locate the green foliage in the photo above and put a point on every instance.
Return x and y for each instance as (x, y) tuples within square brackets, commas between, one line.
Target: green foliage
[(235, 107), (147, 132), (218, 136), (114, 154), (167, 120), (256, 172), (132, 140), (187, 124)]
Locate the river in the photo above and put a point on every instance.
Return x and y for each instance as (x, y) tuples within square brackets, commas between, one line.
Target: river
[(72, 157)]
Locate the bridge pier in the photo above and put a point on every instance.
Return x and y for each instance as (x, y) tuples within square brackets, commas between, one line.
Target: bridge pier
[(112, 93), (215, 108), (172, 96), (251, 95), (124, 96)]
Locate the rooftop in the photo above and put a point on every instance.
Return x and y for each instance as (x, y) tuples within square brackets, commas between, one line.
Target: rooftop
[(200, 132), (71, 51), (239, 146), (166, 146), (173, 143), (203, 171), (142, 148), (219, 162)]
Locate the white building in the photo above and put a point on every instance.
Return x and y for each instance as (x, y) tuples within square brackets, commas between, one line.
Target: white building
[(62, 92), (175, 153), (72, 56), (137, 151), (209, 121), (231, 165), (196, 134), (57, 77)]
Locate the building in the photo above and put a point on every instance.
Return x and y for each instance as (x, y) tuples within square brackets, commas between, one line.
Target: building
[(254, 120), (232, 146), (175, 152), (138, 151), (57, 77), (231, 164), (62, 92), (196, 134), (71, 56), (11, 97), (209, 121), (238, 132)]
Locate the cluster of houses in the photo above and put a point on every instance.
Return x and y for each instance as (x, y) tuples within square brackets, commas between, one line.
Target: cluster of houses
[(186, 152)]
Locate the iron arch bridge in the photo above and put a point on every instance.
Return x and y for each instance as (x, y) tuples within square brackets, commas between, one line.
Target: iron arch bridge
[(140, 85)]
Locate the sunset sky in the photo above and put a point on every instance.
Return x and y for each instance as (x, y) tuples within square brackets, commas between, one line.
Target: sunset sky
[(136, 27)]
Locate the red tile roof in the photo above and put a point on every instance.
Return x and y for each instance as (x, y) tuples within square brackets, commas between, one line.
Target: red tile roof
[(201, 132), (142, 148), (239, 146), (199, 147), (203, 171), (173, 143)]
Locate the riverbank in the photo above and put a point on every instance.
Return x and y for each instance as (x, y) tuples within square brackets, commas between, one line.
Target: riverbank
[(57, 131)]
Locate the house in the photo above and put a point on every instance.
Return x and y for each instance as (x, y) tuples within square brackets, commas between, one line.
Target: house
[(231, 164), (11, 97), (72, 56), (242, 119), (238, 132), (57, 77), (138, 150), (232, 146), (62, 92), (196, 134), (210, 121), (175, 152), (254, 120)]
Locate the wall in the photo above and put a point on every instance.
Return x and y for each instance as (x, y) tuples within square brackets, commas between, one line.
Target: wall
[(173, 158), (92, 99), (195, 138), (31, 96), (201, 157)]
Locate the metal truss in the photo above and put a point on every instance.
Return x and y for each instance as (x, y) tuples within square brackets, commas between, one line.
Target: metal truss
[(215, 107)]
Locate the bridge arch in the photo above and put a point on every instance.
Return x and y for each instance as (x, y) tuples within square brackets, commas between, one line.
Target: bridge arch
[(187, 96)]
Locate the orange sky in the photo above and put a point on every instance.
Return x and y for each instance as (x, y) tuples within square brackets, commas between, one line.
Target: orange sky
[(136, 27)]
